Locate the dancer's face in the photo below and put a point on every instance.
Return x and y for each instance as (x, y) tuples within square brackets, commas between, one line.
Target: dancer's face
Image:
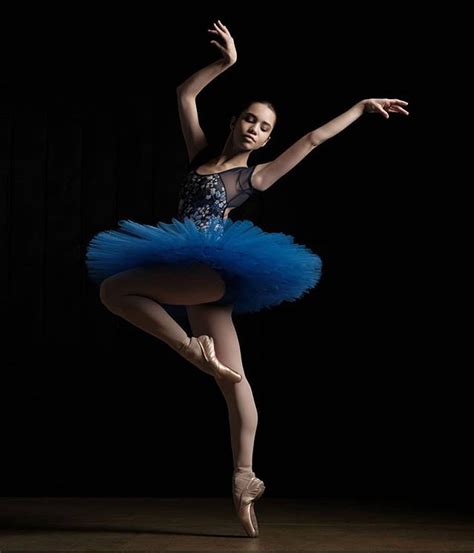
[(252, 129)]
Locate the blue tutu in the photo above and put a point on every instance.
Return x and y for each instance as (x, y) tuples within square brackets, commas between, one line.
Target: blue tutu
[(260, 269)]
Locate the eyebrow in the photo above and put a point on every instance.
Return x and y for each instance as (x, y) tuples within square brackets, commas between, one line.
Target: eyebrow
[(253, 114)]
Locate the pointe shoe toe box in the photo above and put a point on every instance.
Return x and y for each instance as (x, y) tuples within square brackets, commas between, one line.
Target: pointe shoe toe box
[(244, 504)]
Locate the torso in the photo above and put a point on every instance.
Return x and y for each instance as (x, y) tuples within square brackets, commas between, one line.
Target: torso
[(208, 170), (207, 196)]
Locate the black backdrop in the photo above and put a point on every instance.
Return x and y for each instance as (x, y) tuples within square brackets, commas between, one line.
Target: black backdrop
[(347, 381)]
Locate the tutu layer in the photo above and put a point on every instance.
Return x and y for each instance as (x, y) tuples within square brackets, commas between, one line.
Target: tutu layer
[(260, 269)]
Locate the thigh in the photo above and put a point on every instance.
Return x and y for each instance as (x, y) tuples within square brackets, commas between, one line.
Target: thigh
[(189, 284)]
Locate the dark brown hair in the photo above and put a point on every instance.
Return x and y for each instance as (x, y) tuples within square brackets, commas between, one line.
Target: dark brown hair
[(264, 102)]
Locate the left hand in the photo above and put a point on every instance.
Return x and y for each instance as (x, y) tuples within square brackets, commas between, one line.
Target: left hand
[(384, 106), (228, 50)]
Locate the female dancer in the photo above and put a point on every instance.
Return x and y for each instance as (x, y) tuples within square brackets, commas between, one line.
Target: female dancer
[(212, 265)]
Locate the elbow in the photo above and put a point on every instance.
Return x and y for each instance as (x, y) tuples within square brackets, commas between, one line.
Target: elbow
[(315, 139), (183, 93), (181, 89)]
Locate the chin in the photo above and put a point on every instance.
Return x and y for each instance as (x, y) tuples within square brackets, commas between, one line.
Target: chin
[(248, 145), (245, 148)]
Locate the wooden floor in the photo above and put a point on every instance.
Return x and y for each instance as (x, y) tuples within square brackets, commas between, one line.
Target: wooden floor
[(209, 524)]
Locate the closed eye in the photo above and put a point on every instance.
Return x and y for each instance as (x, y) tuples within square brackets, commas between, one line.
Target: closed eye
[(252, 119)]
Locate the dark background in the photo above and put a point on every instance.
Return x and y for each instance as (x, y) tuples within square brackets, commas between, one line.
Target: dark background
[(358, 387)]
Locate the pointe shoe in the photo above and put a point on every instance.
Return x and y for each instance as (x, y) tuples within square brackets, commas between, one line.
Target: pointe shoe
[(207, 360), (246, 489)]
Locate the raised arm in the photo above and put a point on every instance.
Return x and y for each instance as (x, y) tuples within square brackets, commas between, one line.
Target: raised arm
[(187, 91), (267, 174)]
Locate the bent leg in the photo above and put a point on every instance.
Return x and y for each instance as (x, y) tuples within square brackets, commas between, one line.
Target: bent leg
[(136, 294), (216, 321)]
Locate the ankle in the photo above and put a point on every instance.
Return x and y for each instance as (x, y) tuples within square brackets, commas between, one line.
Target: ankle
[(243, 470), (182, 345)]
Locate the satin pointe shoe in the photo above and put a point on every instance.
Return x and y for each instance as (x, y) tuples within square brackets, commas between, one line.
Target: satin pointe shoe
[(246, 489), (206, 359)]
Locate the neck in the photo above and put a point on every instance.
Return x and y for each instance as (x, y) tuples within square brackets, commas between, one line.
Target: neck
[(231, 156)]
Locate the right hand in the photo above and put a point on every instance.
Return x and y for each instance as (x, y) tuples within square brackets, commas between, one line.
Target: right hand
[(229, 53), (384, 106)]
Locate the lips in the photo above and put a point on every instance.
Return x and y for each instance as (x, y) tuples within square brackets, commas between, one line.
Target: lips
[(249, 137)]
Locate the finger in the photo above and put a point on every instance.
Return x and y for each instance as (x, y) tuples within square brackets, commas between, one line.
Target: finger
[(213, 31), (383, 112), (224, 28), (219, 30), (218, 46), (226, 32), (402, 102), (398, 109)]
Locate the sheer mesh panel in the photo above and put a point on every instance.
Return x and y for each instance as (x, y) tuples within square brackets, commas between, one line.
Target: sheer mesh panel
[(238, 185)]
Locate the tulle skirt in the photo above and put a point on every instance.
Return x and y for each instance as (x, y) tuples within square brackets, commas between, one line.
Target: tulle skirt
[(260, 269)]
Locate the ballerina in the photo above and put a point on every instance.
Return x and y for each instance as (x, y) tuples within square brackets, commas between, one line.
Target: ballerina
[(212, 266)]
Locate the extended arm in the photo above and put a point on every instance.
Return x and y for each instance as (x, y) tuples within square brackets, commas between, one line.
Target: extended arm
[(267, 174), (188, 90)]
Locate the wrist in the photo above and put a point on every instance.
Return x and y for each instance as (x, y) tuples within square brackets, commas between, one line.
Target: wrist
[(228, 63), (361, 105)]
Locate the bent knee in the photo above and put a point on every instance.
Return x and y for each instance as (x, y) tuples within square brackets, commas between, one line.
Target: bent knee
[(209, 281), (218, 291), (110, 292)]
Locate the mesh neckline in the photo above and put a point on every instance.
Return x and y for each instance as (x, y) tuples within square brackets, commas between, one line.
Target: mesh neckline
[(220, 172)]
